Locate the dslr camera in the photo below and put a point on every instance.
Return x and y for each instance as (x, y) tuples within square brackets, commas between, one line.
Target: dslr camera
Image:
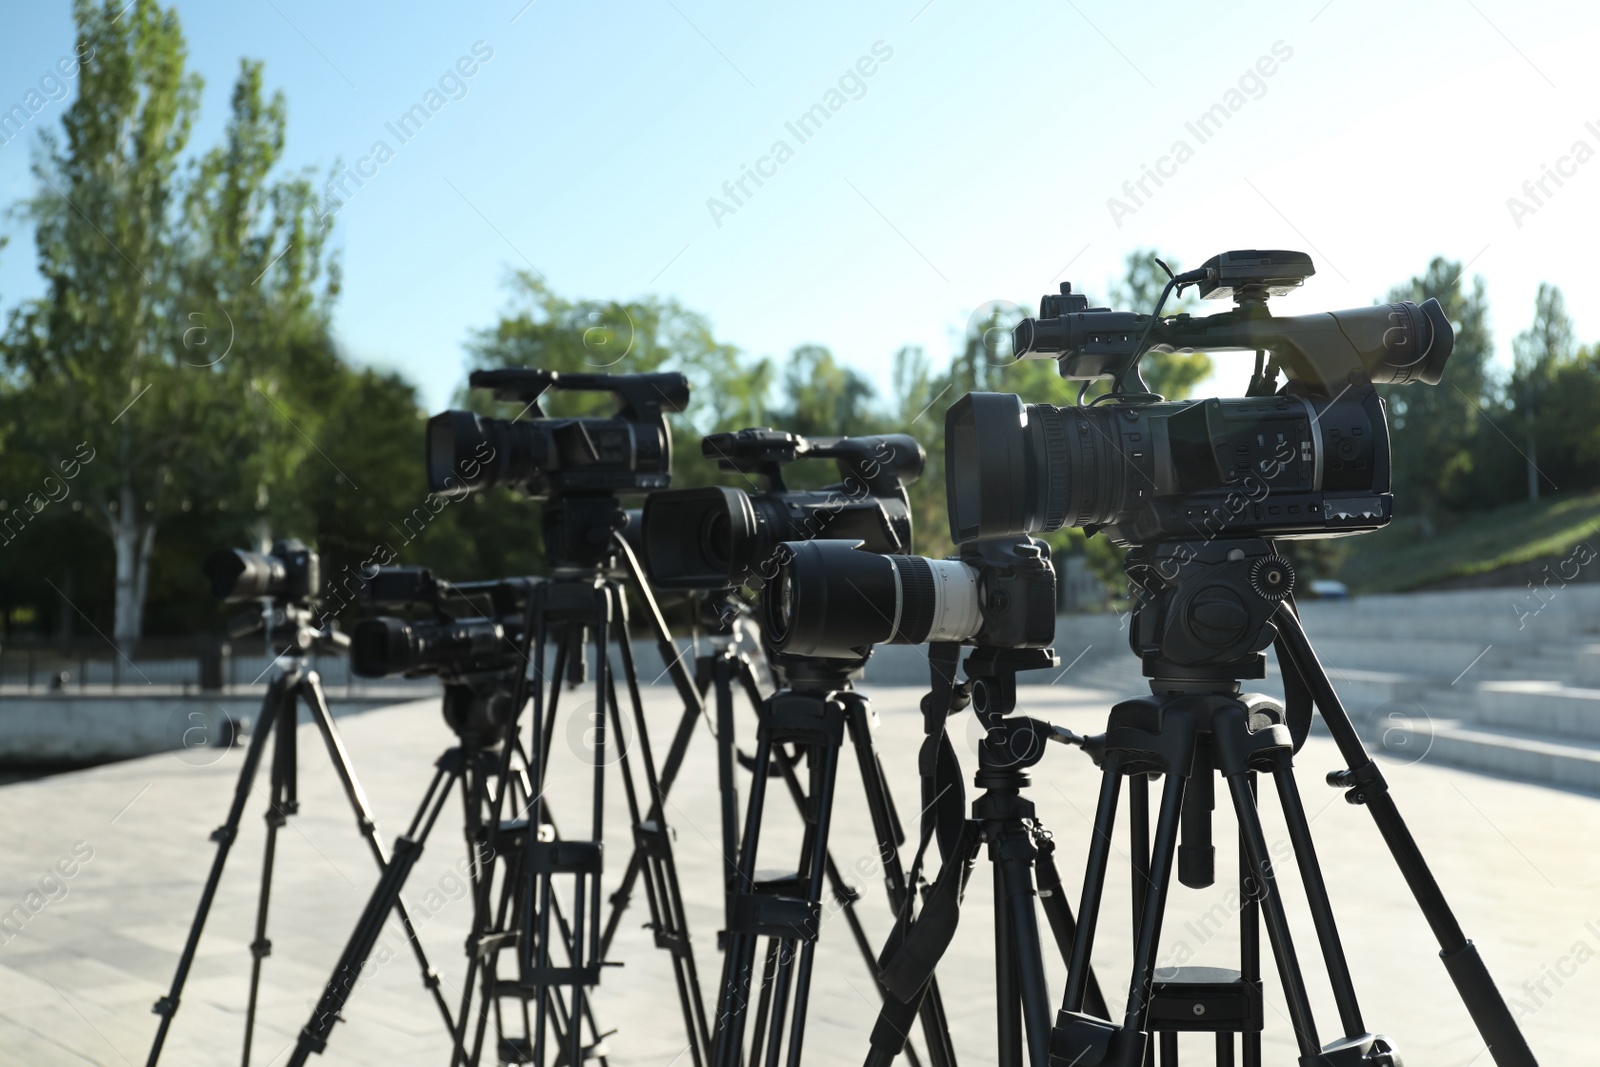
[(1308, 460), (717, 537), (290, 573)]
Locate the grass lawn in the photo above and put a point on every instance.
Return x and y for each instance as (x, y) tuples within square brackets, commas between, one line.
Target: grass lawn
[(1399, 557)]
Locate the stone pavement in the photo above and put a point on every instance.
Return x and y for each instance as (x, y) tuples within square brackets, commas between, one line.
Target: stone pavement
[(106, 866)]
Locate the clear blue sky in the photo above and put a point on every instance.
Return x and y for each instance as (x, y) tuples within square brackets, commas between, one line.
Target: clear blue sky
[(973, 164)]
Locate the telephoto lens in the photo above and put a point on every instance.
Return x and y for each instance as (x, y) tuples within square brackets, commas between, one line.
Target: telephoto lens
[(833, 600)]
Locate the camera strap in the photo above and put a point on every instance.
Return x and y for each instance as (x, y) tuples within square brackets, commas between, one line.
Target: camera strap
[(917, 942)]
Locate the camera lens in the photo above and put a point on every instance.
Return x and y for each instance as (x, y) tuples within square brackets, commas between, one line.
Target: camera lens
[(699, 538), (717, 538), (1015, 469), (834, 600), (239, 575)]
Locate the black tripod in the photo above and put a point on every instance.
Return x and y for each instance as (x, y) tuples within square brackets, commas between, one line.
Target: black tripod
[(814, 710), (1019, 848), (547, 905), (292, 682), (1204, 614)]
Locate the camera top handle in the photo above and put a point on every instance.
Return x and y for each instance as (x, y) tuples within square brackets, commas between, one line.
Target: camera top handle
[(882, 463), (643, 396)]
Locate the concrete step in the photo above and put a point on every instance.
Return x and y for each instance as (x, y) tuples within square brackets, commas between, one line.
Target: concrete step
[(1544, 707), (1553, 760), (1437, 657)]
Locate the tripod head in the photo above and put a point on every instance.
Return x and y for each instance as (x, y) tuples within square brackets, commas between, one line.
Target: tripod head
[(1203, 610), (1011, 743), (815, 674)]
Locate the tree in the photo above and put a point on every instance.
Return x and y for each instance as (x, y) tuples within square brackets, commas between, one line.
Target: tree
[(1437, 429), (1540, 352), (150, 273)]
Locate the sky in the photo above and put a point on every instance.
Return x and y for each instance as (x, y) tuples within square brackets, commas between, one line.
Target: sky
[(970, 153)]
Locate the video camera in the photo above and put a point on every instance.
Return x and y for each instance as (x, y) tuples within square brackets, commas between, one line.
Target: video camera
[(719, 537), (470, 634), (628, 451), (1309, 460)]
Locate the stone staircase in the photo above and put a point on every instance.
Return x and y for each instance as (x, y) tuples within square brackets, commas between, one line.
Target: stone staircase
[(1496, 680), (1488, 680), (1463, 678)]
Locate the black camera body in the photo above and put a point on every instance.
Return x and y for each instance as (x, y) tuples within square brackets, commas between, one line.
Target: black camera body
[(720, 537), (1309, 460), (291, 573), (469, 634), (1289, 465), (628, 451), (833, 600)]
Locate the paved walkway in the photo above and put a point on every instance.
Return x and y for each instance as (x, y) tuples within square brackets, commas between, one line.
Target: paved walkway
[(106, 865)]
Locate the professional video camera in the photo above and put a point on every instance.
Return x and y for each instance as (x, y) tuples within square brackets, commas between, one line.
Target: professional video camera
[(580, 464), (629, 451), (291, 572), (1309, 460), (719, 537), (833, 600), (470, 634)]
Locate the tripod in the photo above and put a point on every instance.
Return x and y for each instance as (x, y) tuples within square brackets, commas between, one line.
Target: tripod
[(1204, 614), (1020, 850), (292, 682), (482, 708), (813, 711)]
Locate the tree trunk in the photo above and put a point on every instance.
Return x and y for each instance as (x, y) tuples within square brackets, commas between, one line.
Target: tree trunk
[(1533, 468), (133, 541)]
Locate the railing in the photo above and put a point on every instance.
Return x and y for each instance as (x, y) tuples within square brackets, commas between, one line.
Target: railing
[(193, 664)]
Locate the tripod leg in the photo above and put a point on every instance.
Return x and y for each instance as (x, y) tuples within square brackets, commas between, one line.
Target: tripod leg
[(886, 826), (816, 869), (279, 807), (1148, 943), (672, 928), (1249, 938), (310, 690), (1294, 815), (1488, 1009), (384, 899), (1094, 884), (1053, 899), (1007, 997), (225, 835), (722, 668), (1255, 845), (739, 955), (1014, 854)]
